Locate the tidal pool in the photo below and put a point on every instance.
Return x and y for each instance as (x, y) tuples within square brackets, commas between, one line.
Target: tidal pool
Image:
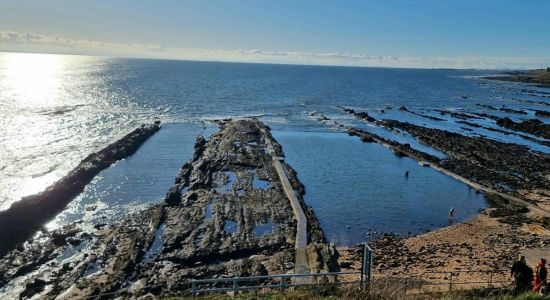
[(358, 190), (137, 181)]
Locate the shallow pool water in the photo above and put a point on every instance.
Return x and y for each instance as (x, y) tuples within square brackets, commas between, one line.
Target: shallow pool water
[(137, 181), (259, 184), (155, 247), (230, 226), (261, 229), (360, 189)]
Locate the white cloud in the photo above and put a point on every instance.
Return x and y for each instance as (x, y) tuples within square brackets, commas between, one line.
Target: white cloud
[(17, 41)]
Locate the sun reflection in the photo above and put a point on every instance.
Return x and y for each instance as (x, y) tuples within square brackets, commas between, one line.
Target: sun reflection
[(31, 79), (30, 84)]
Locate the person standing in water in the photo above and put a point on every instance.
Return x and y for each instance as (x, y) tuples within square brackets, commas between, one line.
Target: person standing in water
[(452, 215)]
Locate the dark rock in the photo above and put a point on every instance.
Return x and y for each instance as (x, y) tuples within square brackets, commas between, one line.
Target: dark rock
[(542, 113), (32, 288), (206, 228), (500, 165), (173, 197), (345, 264), (532, 126)]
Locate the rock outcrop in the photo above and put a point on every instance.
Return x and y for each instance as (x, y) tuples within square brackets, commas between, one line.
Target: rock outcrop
[(503, 166), (226, 215), (532, 126)]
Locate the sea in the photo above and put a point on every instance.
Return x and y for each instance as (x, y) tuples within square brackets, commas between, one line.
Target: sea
[(57, 109)]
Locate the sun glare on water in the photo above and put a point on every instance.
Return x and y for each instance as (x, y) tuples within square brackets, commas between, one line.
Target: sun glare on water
[(30, 86), (31, 79)]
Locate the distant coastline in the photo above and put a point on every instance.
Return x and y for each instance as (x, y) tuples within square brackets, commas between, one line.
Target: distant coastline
[(540, 77)]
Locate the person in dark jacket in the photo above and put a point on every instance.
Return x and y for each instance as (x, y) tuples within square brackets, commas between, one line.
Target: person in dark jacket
[(541, 274), (522, 274)]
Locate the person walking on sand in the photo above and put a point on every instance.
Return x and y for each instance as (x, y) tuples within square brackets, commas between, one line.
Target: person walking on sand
[(522, 274), (541, 275)]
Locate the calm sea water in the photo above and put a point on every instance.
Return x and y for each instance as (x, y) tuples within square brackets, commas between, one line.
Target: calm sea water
[(57, 109)]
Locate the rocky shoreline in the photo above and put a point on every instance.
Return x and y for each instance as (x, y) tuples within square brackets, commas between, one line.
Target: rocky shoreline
[(487, 243), (505, 167), (225, 216), (26, 216), (539, 77)]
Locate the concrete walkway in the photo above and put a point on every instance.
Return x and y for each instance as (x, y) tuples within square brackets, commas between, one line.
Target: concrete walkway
[(301, 262)]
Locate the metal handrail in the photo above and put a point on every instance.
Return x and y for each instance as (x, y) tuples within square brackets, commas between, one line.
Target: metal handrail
[(282, 285), (249, 278)]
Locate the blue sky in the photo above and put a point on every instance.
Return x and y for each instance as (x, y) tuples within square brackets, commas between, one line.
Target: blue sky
[(488, 33)]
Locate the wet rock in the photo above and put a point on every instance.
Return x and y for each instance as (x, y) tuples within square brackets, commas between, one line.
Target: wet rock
[(542, 113), (173, 197), (199, 147), (34, 287), (323, 257), (503, 109), (532, 126), (206, 228), (457, 115), (59, 237), (361, 115)]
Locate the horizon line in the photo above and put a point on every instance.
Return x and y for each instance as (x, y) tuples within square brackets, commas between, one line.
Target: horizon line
[(28, 42), (107, 56)]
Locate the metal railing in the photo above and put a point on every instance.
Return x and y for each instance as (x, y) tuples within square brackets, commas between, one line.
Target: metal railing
[(282, 282), (391, 287), (443, 281)]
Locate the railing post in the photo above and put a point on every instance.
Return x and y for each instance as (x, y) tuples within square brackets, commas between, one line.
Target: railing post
[(235, 287), (451, 282), (363, 263), (193, 288), (283, 283), (490, 280)]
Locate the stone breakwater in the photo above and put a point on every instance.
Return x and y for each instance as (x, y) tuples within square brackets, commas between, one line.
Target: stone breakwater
[(26, 216), (226, 215)]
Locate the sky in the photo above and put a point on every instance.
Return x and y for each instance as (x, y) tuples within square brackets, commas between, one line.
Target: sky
[(390, 33)]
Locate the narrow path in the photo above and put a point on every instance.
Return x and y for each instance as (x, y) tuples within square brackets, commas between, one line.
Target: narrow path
[(532, 207), (301, 263)]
